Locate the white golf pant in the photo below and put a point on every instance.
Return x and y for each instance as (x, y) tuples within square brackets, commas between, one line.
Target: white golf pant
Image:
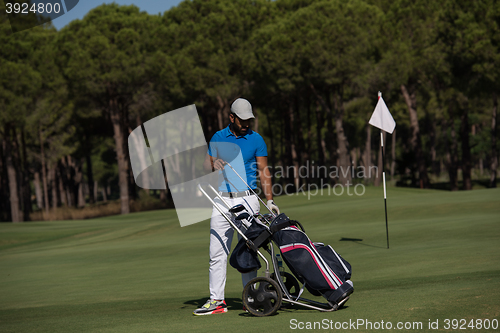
[(221, 235)]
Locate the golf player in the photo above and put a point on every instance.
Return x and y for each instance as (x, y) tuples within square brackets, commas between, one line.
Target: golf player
[(227, 143)]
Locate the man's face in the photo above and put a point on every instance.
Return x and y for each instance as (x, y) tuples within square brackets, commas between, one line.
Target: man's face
[(239, 126)]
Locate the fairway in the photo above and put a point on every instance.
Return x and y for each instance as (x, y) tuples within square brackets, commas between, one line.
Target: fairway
[(142, 272)]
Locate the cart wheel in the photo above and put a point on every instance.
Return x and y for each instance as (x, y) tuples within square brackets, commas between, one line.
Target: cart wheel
[(291, 283), (262, 296)]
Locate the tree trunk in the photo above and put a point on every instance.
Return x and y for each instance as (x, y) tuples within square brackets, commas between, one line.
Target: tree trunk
[(308, 148), (44, 174), (163, 196), (256, 121), (415, 141), (120, 156), (300, 149), (18, 165), (4, 186), (90, 178), (355, 153), (329, 134), (329, 137), (494, 153), (283, 150), (81, 196), (466, 155), (320, 141), (54, 185), (38, 190), (79, 181), (60, 183), (219, 119), (125, 125), (220, 113), (291, 145), (299, 133), (12, 176), (272, 152), (451, 152), (95, 190), (73, 180), (342, 143), (25, 180), (68, 179), (393, 153), (367, 159), (104, 196), (432, 137)]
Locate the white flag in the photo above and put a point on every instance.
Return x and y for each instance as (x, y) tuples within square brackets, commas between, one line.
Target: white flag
[(382, 118)]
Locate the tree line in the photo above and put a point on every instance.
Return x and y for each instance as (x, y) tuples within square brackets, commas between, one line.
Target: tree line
[(311, 69)]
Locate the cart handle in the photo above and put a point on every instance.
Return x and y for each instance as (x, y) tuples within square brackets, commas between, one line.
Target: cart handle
[(248, 241)]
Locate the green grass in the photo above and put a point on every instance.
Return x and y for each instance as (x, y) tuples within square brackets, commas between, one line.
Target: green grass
[(144, 273)]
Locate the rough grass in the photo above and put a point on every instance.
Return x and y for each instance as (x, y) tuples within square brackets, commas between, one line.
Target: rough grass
[(144, 273)]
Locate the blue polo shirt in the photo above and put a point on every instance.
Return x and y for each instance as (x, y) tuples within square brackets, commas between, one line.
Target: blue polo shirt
[(241, 153)]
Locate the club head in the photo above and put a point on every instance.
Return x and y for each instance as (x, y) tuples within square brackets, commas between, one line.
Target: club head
[(243, 216), (236, 209)]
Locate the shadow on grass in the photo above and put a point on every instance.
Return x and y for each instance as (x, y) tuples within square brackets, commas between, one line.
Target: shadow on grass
[(290, 308), (235, 304), (357, 241), (477, 184)]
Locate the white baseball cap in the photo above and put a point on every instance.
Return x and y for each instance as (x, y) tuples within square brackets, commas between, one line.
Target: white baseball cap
[(242, 108)]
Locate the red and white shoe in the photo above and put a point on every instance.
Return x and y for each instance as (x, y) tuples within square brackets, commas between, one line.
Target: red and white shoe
[(211, 307)]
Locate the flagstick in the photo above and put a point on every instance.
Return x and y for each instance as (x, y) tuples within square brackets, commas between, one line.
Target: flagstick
[(382, 119), (383, 179), (385, 192)]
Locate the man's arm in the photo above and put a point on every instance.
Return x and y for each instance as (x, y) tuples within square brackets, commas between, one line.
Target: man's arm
[(265, 177), (208, 164), (212, 164)]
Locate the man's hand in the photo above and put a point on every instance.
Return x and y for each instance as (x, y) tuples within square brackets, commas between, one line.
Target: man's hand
[(219, 164), (272, 206)]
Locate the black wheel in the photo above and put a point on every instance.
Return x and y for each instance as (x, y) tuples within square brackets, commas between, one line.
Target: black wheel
[(262, 296), (291, 283)]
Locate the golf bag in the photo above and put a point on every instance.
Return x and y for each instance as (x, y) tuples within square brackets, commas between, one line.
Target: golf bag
[(318, 266), (243, 258)]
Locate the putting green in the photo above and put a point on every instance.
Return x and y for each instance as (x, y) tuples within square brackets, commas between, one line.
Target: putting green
[(144, 273)]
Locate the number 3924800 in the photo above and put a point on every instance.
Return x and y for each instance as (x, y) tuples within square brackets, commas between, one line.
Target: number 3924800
[(25, 8)]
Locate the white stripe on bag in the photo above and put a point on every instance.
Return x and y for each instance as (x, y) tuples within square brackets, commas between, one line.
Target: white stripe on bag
[(342, 262), (321, 263)]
